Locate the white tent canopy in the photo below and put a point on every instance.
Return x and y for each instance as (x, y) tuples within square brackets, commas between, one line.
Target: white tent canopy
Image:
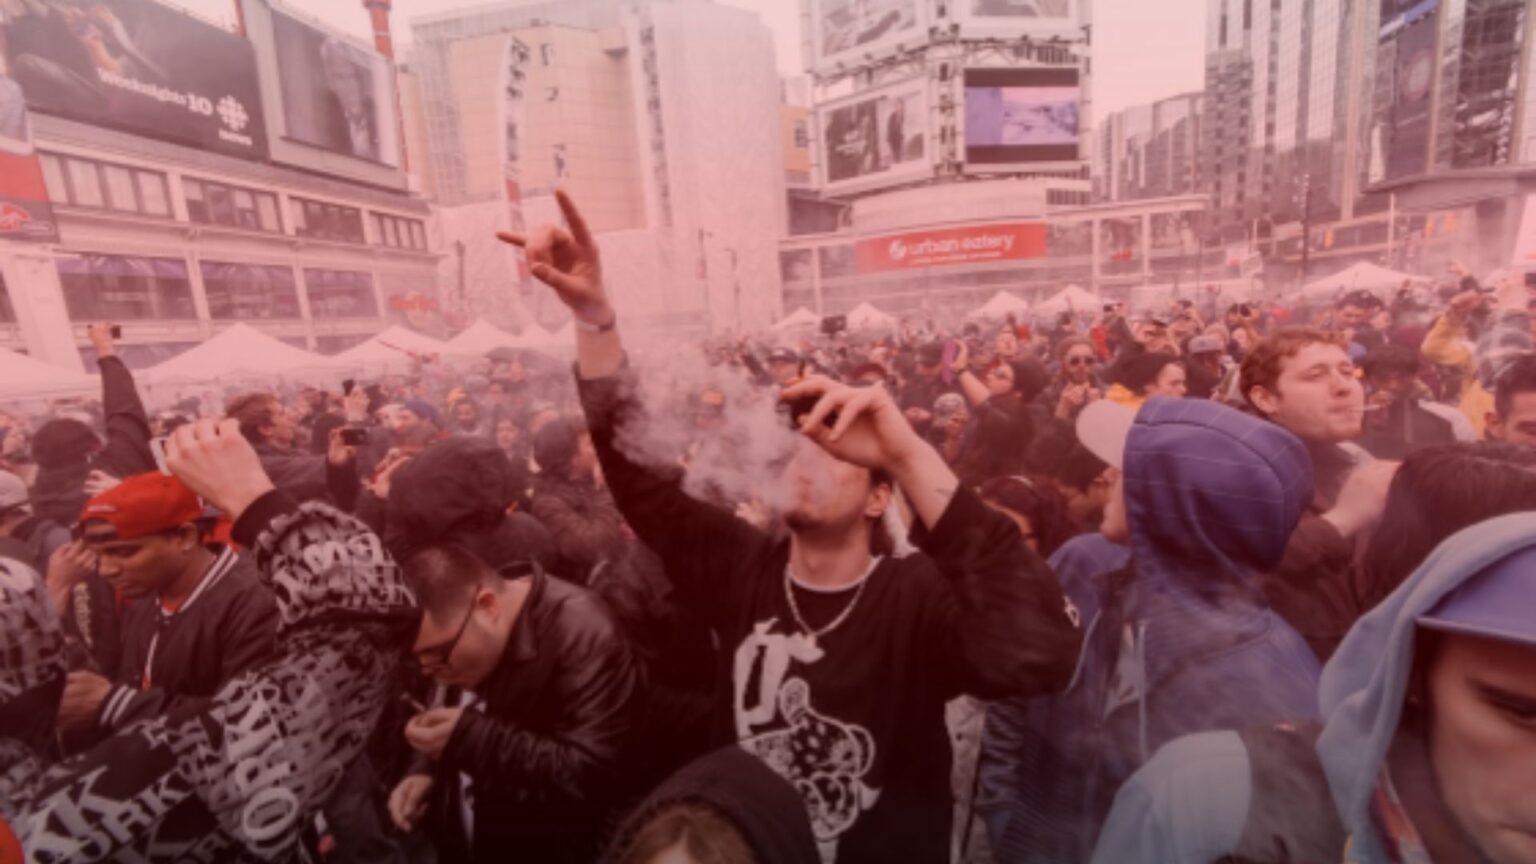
[(482, 337), (867, 317), (1001, 305), (1072, 298), (1357, 277), (394, 345), (21, 375), (233, 352), (800, 319)]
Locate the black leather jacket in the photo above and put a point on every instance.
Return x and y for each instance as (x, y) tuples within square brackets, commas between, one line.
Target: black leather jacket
[(549, 756)]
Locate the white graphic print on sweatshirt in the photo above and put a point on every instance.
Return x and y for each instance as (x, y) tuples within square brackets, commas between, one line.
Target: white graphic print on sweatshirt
[(823, 758)]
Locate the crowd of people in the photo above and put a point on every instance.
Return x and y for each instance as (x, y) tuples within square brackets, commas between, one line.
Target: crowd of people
[(1190, 584)]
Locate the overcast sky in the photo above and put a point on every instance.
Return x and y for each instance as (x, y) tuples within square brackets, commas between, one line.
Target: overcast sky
[(1145, 49)]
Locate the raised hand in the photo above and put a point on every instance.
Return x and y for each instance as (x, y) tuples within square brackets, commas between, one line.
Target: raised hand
[(216, 462), (568, 261), (868, 430)]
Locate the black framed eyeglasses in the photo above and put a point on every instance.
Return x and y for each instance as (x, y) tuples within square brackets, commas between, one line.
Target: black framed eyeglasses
[(437, 656), (1081, 361)]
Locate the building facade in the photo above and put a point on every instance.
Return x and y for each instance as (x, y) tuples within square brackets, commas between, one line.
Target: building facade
[(308, 240), (1453, 129)]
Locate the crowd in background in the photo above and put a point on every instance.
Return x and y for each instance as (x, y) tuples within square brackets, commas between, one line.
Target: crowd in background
[(1203, 582)]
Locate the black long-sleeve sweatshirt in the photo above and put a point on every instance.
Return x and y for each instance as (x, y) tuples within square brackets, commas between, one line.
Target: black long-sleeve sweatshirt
[(855, 718)]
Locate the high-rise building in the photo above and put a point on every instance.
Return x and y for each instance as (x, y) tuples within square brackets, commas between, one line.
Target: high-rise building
[(1281, 118), (1149, 151), (664, 120)]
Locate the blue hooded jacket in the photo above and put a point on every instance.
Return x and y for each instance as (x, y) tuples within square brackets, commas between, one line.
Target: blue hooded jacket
[(1190, 804), (1184, 640)]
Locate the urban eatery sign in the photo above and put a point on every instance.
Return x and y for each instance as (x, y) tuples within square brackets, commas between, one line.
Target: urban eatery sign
[(948, 247)]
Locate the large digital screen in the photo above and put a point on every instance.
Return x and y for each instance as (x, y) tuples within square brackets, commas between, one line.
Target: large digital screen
[(1018, 17), (1021, 116), (337, 95), (876, 138), (844, 31), (137, 66)]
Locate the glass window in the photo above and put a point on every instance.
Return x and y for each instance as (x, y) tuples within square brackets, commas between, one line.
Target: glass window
[(221, 204), (121, 194), (392, 226), (125, 288), (266, 212), (329, 221), (340, 294), (245, 210), (84, 183), (378, 226), (244, 291), (53, 175), (300, 223), (418, 235), (152, 194), (234, 206), (197, 206)]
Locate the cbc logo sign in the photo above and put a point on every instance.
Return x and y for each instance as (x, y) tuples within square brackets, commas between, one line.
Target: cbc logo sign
[(897, 250)]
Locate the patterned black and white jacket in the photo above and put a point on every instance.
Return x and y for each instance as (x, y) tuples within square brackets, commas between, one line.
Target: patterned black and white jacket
[(235, 778)]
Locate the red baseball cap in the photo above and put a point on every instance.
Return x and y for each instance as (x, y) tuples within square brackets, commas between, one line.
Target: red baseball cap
[(143, 505)]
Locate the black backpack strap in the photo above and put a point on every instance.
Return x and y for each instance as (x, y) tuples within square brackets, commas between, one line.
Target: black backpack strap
[(1291, 816)]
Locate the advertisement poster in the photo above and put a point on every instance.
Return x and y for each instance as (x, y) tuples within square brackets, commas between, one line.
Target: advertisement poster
[(876, 138), (25, 213), (337, 95), (844, 31), (140, 67), (1022, 116), (1406, 75), (949, 247)]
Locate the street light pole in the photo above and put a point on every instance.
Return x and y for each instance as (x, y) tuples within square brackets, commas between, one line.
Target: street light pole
[(1306, 225)]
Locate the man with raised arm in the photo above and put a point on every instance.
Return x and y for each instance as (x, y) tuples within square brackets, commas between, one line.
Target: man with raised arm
[(839, 656)]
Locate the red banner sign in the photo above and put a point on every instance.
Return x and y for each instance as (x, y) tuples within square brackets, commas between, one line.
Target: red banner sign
[(947, 247)]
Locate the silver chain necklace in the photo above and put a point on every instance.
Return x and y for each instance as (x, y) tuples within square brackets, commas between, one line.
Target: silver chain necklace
[(794, 607)]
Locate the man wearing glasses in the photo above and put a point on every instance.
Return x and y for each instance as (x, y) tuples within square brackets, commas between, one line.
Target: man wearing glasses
[(533, 764)]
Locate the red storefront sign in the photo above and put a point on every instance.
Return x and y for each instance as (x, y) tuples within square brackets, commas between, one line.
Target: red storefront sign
[(947, 247)]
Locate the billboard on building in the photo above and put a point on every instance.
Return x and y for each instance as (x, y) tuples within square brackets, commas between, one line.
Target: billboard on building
[(1019, 117), (336, 94), (25, 213), (1403, 97), (844, 31), (949, 247), (1017, 17), (877, 138), (140, 67)]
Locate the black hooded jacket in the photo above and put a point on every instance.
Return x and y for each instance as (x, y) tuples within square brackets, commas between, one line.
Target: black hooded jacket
[(739, 787), (59, 493)]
